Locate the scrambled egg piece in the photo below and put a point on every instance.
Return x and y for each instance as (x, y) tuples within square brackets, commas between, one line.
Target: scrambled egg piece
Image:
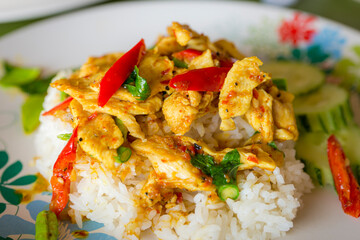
[(237, 91)]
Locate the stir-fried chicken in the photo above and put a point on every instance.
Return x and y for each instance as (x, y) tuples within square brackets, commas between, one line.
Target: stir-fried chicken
[(237, 91), (99, 137), (172, 166), (79, 89)]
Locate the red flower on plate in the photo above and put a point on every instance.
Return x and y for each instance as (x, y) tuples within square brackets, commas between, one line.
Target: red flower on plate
[(297, 29)]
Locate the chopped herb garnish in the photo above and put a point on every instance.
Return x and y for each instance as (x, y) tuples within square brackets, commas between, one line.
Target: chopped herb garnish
[(65, 136), (223, 174), (203, 162), (124, 154), (178, 63), (121, 126), (140, 90)]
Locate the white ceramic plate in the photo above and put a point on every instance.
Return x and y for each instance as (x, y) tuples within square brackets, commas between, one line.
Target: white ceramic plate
[(16, 10), (68, 40)]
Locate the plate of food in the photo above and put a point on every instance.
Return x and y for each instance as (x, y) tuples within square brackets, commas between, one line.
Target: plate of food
[(174, 120)]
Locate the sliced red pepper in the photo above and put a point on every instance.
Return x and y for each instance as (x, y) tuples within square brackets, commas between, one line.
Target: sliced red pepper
[(204, 79), (61, 106), (187, 54), (226, 62), (345, 183), (60, 181), (119, 72)]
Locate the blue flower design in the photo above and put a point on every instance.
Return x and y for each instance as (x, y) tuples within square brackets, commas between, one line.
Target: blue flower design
[(329, 41), (14, 225)]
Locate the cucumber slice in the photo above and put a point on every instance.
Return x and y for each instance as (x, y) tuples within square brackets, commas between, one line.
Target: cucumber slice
[(311, 148), (301, 77), (326, 110)]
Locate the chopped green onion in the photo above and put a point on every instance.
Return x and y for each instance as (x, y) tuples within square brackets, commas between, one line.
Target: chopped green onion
[(65, 136), (178, 63), (122, 127), (228, 191), (124, 154), (273, 145), (280, 83)]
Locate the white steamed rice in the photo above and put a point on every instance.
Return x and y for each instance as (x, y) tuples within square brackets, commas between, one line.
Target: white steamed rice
[(266, 207)]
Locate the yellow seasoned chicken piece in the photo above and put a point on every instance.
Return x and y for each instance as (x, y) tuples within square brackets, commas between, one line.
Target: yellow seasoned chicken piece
[(182, 33), (179, 113), (167, 45), (283, 114), (180, 109), (229, 48), (260, 114), (255, 155), (79, 89), (98, 137), (172, 166), (155, 69), (237, 91), (203, 61)]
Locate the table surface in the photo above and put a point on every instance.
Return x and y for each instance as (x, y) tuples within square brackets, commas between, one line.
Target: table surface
[(343, 11)]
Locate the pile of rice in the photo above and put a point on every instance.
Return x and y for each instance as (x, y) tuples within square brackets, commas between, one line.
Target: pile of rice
[(267, 204)]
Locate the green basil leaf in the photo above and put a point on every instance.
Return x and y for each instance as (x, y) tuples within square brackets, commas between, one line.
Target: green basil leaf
[(141, 90), (230, 160), (203, 162), (218, 175), (30, 112)]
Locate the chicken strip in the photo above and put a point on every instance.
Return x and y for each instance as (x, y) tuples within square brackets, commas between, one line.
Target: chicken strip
[(237, 91), (172, 166), (98, 137)]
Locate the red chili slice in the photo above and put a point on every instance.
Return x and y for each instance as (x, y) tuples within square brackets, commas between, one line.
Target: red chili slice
[(61, 106), (345, 183), (60, 181), (119, 72), (204, 79), (187, 54)]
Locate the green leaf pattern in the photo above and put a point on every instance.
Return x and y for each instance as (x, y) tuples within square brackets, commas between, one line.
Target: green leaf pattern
[(9, 194)]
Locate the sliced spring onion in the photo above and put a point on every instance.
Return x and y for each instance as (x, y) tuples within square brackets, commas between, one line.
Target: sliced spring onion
[(65, 136), (124, 154), (178, 63), (122, 127), (228, 191)]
